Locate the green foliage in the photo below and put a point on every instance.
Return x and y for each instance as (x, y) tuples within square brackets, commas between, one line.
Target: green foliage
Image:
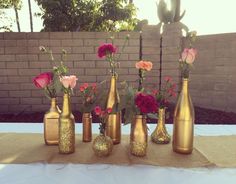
[(87, 15)]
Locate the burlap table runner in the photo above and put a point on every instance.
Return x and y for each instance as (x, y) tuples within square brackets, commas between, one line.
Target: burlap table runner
[(18, 148)]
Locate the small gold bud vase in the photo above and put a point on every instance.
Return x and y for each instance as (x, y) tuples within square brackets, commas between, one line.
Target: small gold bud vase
[(139, 136), (160, 134), (87, 127), (102, 145), (51, 123), (66, 128), (113, 124), (184, 118)]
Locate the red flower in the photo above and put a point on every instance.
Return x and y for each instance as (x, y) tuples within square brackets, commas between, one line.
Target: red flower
[(168, 79), (106, 49), (98, 110), (146, 103), (43, 80)]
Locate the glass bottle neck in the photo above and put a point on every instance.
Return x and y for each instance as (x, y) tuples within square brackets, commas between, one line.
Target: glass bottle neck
[(185, 85), (66, 105)]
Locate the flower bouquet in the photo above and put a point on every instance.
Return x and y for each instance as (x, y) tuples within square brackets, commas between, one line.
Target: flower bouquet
[(113, 130), (102, 144), (160, 134), (50, 83)]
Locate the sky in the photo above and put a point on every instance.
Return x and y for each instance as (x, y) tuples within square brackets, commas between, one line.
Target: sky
[(204, 16)]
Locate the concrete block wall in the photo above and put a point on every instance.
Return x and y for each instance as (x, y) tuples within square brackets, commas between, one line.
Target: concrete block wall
[(213, 81), (21, 60)]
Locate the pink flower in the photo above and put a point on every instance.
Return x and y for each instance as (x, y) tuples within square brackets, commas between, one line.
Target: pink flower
[(109, 110), (189, 55), (69, 81), (43, 80), (83, 87), (98, 110), (106, 49), (144, 65)]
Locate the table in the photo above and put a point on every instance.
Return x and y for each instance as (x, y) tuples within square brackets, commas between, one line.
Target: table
[(43, 173)]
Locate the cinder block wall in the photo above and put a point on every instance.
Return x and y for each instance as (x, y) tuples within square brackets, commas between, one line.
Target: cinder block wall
[(21, 60), (213, 81)]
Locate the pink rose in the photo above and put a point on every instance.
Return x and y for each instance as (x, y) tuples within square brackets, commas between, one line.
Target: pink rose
[(189, 55), (98, 110), (144, 65), (69, 81), (43, 80)]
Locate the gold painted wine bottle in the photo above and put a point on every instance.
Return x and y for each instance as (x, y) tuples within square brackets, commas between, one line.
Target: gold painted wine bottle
[(113, 124), (139, 136), (87, 127), (160, 134), (66, 128), (51, 123), (184, 117)]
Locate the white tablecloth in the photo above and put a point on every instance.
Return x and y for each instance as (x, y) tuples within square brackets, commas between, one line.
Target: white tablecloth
[(42, 173)]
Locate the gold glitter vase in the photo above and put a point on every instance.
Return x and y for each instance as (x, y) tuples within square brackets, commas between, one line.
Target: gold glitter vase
[(87, 127), (102, 145), (138, 136), (160, 134), (51, 123), (66, 128), (184, 117), (113, 124)]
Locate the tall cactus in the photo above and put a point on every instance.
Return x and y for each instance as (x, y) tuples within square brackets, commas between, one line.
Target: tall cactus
[(169, 16)]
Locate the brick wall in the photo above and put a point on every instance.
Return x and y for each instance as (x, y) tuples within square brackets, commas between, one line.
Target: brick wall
[(213, 81)]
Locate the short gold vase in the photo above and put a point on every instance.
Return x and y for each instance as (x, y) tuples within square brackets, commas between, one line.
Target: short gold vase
[(113, 124), (160, 134), (184, 117), (87, 127), (138, 136), (102, 145), (51, 123), (66, 128)]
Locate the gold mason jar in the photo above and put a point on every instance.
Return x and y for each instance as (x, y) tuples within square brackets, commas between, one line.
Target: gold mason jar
[(51, 123), (160, 134), (138, 136), (113, 124), (87, 127), (184, 117), (66, 128)]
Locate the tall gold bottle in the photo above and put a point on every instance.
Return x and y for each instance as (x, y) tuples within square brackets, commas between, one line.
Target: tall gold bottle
[(139, 136), (184, 117), (87, 127), (113, 124), (160, 134), (66, 128), (51, 123)]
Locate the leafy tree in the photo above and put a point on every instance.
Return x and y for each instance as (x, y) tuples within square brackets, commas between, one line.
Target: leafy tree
[(16, 5), (87, 15)]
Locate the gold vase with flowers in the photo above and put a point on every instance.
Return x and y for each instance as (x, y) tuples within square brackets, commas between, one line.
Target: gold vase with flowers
[(160, 135), (184, 115), (49, 81), (113, 124), (66, 119)]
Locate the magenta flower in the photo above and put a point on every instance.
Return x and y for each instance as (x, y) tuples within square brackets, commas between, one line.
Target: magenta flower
[(106, 49)]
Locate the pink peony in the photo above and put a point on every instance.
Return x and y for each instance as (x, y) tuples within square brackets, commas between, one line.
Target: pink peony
[(43, 80), (106, 49), (144, 65), (189, 55), (69, 81)]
